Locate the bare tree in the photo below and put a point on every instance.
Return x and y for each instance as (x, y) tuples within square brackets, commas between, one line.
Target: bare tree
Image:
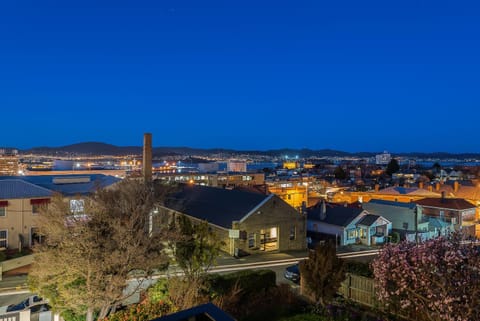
[(87, 258)]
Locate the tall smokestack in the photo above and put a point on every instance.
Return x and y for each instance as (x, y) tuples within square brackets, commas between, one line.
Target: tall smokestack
[(147, 156)]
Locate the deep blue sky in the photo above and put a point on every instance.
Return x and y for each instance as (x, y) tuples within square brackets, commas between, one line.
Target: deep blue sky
[(348, 75)]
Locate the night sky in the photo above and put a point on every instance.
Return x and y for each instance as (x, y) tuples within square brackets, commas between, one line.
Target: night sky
[(348, 75)]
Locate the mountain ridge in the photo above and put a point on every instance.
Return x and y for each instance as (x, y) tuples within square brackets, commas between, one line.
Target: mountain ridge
[(100, 148)]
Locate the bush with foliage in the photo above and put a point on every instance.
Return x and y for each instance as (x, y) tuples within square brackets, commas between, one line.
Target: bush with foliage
[(359, 268), (434, 280), (143, 311), (249, 281), (322, 273)]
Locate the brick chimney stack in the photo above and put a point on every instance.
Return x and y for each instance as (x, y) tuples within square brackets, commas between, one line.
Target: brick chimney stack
[(456, 186), (420, 185), (147, 157)]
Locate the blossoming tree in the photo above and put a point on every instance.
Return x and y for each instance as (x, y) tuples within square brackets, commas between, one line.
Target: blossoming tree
[(438, 279)]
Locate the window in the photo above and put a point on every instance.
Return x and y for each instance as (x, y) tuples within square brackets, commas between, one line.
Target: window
[(292, 232), (3, 211), (36, 208), (251, 240), (3, 238), (351, 234)]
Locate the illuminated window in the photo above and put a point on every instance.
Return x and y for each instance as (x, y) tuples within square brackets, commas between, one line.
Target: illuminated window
[(351, 234), (3, 238)]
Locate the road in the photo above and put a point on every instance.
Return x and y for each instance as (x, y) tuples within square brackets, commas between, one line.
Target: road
[(13, 295)]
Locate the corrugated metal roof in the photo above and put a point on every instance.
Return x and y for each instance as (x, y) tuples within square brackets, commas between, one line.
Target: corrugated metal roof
[(17, 188), (410, 205)]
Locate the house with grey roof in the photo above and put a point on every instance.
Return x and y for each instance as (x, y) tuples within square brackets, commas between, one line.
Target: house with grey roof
[(405, 219), (21, 198), (346, 225), (245, 221)]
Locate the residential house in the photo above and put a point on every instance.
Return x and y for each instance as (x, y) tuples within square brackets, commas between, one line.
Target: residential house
[(248, 222), (457, 213), (405, 219), (21, 198), (346, 225)]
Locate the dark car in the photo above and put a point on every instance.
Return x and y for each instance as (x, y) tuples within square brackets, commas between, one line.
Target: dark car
[(292, 273), (30, 301)]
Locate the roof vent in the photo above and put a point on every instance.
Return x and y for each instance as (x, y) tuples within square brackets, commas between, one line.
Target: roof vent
[(71, 180)]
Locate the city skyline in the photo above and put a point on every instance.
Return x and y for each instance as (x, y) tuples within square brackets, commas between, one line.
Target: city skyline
[(348, 76)]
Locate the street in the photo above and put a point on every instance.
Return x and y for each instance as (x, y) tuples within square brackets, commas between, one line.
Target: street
[(13, 289)]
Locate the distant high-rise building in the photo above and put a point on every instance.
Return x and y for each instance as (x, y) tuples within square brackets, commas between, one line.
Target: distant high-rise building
[(8, 162), (383, 159), (238, 166)]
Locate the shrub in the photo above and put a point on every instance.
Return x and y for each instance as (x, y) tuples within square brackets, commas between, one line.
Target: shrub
[(359, 268), (249, 281)]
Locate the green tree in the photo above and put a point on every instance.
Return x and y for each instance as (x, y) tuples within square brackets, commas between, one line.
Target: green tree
[(339, 173), (196, 247), (87, 257), (323, 272), (392, 167)]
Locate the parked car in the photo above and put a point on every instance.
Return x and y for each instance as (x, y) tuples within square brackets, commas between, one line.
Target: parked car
[(292, 273), (25, 304)]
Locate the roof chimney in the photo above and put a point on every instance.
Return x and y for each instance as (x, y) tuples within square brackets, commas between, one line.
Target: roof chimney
[(147, 157), (420, 185), (323, 211), (456, 186), (430, 188), (437, 186), (377, 188)]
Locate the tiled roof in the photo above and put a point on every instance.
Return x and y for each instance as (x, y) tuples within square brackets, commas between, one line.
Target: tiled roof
[(17, 188), (368, 220), (215, 205), (450, 203)]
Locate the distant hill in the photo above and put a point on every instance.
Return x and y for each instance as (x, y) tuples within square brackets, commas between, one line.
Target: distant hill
[(97, 148)]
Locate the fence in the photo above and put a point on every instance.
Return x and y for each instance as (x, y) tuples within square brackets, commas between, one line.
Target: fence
[(13, 264), (359, 289)]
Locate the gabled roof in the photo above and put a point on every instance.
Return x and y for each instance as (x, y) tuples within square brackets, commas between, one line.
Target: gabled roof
[(70, 185), (410, 205), (450, 203), (17, 188), (215, 205), (368, 220), (340, 216)]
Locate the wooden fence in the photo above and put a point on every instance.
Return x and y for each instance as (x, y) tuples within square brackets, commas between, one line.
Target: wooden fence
[(359, 289)]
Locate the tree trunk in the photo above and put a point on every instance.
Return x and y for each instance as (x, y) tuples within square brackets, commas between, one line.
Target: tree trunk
[(89, 314), (103, 312)]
